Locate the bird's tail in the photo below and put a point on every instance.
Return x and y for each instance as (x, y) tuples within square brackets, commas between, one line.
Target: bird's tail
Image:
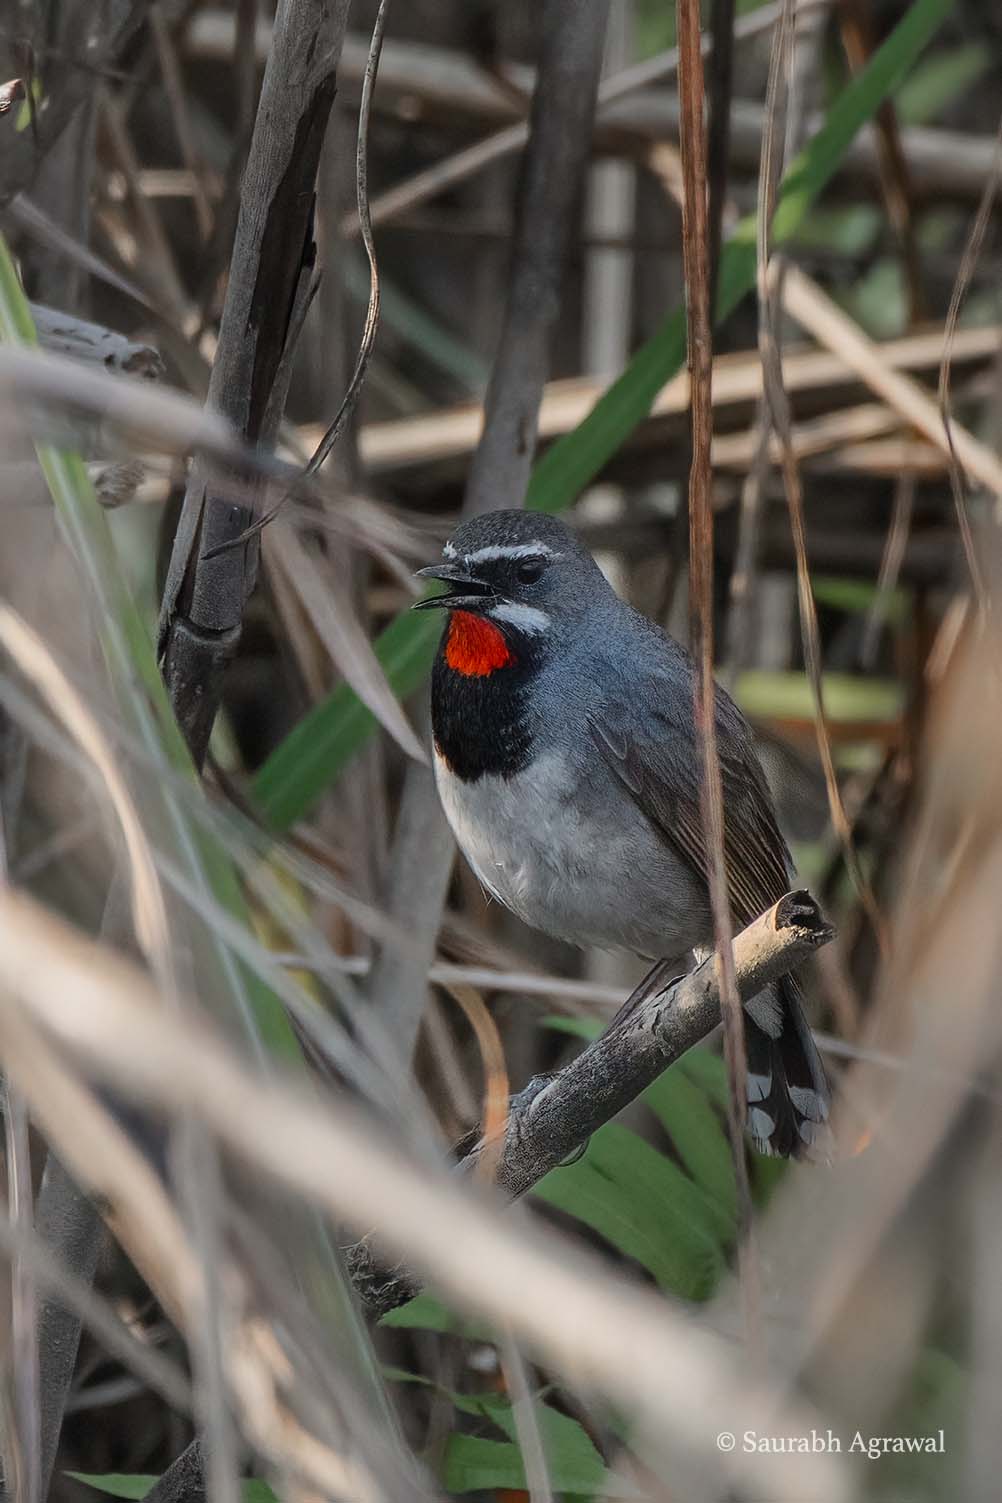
[(788, 1093)]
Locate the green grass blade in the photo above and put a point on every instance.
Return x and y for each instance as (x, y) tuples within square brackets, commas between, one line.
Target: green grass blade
[(312, 756), (646, 1207), (237, 993), (147, 713)]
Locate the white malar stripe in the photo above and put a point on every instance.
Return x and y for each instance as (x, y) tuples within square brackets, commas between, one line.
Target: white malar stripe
[(501, 550), (525, 617)]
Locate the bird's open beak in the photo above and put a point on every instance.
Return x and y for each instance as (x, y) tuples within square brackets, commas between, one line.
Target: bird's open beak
[(466, 592)]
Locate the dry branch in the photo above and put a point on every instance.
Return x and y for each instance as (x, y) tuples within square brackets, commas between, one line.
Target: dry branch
[(559, 139), (699, 269), (819, 315), (271, 269), (67, 998), (552, 1118), (92, 36), (92, 344), (451, 434), (446, 85)]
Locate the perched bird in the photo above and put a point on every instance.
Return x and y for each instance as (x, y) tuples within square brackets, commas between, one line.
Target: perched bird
[(567, 765)]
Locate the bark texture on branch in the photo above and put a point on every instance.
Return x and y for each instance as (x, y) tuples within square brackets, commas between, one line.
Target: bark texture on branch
[(271, 270), (552, 1118)]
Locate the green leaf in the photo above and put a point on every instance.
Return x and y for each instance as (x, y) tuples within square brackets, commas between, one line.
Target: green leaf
[(315, 750), (698, 1136), (763, 692), (573, 1463), (22, 120), (474, 1462), (312, 756), (857, 596), (939, 80), (427, 1313), (579, 1028), (646, 1207), (117, 1484), (684, 1106), (146, 711), (138, 1484), (706, 1068)]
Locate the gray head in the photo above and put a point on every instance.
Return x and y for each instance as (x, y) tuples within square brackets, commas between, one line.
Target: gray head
[(523, 570)]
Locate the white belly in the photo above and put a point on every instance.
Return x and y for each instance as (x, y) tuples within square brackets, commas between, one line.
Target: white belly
[(599, 875)]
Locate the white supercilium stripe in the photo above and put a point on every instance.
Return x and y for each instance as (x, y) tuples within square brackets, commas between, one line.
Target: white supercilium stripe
[(501, 550)]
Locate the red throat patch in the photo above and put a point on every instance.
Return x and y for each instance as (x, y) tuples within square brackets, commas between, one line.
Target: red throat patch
[(475, 647)]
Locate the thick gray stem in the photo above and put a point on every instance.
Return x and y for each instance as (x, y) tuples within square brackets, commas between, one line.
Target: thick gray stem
[(563, 106)]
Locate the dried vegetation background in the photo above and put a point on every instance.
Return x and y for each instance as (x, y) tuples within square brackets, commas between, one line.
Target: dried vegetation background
[(270, 321)]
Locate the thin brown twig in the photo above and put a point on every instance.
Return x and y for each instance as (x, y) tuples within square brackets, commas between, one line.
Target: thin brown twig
[(432, 181), (890, 565), (721, 72), (494, 1116), (895, 178), (771, 275), (820, 316), (696, 250), (968, 263), (180, 116), (371, 326)]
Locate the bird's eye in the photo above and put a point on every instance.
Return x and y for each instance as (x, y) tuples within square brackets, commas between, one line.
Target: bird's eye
[(529, 570)]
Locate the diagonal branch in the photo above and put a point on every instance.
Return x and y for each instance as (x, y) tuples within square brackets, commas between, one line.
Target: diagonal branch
[(71, 1006), (552, 1118)]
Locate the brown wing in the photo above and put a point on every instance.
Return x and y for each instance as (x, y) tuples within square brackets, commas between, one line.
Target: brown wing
[(649, 743)]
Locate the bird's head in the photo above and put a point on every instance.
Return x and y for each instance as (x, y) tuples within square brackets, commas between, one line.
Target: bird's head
[(517, 582)]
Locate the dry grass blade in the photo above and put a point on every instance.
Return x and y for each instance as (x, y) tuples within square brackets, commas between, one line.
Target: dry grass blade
[(890, 565), (155, 418), (37, 664), (422, 186), (27, 216), (142, 1217), (494, 1117), (368, 341), (774, 278), (965, 273), (180, 114), (115, 1337), (351, 396), (721, 71), (339, 629), (610, 1335), (817, 314), (895, 178), (697, 249)]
